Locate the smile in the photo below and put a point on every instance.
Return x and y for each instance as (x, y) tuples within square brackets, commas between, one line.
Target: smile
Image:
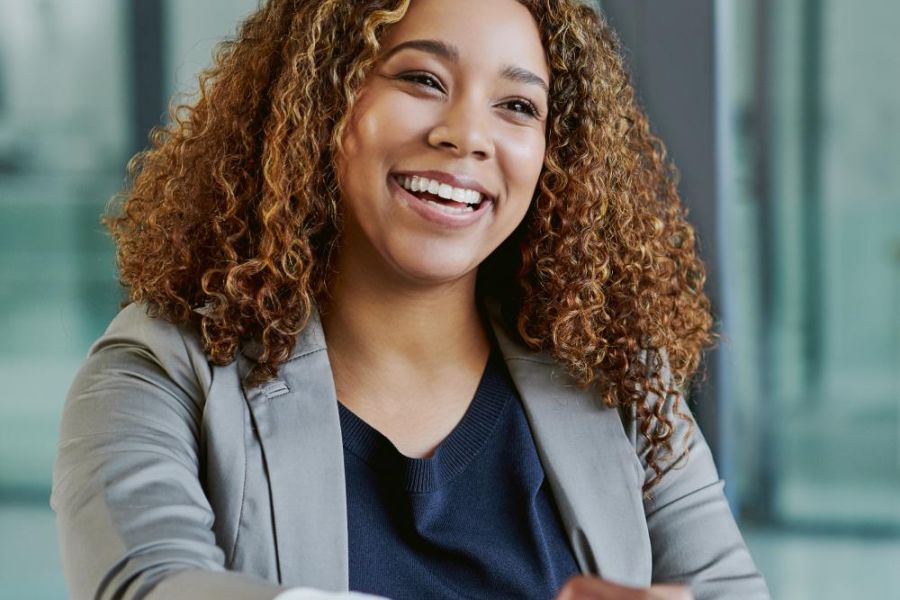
[(440, 202), (466, 198)]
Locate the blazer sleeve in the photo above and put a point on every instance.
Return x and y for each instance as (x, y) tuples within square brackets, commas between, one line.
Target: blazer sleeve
[(132, 515), (694, 537)]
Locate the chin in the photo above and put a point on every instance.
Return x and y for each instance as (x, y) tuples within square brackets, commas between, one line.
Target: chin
[(436, 270)]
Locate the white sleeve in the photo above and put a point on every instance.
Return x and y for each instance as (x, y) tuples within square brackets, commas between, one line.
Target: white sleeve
[(304, 593)]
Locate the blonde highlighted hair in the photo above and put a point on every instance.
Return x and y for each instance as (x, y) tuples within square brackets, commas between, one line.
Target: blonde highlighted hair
[(235, 206)]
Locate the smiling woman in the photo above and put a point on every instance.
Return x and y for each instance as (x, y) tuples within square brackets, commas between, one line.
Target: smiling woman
[(411, 303)]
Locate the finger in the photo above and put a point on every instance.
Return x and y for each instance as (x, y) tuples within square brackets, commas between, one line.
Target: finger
[(583, 587), (670, 591)]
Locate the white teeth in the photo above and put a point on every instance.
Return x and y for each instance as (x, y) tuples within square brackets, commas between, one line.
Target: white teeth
[(415, 183)]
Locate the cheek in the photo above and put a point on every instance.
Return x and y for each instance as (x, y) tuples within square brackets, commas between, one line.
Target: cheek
[(382, 125), (372, 143), (524, 161), (530, 155)]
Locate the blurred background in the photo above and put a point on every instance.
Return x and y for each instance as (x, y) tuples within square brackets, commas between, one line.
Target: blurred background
[(784, 119)]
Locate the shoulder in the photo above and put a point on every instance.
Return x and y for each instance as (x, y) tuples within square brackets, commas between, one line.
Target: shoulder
[(662, 398), (176, 350), (143, 386)]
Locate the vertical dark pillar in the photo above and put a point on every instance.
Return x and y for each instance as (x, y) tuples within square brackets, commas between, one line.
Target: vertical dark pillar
[(669, 50), (812, 223), (761, 506), (146, 30), (141, 23)]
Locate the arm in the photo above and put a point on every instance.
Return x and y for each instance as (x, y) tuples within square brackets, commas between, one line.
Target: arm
[(133, 519), (693, 534)]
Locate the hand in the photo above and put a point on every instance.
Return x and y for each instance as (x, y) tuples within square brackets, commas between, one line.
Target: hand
[(592, 588)]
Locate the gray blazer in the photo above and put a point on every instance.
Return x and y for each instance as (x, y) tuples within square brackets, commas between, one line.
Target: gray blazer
[(174, 480)]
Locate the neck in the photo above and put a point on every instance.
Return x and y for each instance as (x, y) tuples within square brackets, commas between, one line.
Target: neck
[(375, 323)]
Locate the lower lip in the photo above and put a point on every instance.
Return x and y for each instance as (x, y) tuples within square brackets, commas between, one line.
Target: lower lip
[(435, 215)]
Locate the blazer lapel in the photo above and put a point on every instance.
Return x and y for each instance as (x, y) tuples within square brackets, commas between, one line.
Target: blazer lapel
[(591, 466), (299, 429)]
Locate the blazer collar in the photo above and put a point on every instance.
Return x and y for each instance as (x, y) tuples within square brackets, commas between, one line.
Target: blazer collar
[(591, 466), (310, 339)]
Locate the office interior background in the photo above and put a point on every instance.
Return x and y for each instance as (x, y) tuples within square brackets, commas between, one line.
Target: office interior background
[(784, 119)]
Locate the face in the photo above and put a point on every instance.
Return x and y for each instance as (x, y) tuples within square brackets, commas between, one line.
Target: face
[(444, 147)]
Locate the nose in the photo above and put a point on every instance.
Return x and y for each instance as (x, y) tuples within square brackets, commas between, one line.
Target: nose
[(464, 130)]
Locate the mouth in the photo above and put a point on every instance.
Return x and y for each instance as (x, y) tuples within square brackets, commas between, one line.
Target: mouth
[(443, 198)]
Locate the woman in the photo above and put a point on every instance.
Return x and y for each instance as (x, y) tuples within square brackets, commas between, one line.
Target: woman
[(411, 301)]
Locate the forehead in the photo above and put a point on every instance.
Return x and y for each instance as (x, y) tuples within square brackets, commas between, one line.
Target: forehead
[(484, 31)]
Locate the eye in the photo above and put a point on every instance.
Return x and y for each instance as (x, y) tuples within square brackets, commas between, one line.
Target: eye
[(422, 79), (522, 107)]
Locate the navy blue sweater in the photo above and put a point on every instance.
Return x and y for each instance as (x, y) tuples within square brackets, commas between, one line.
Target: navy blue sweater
[(475, 520)]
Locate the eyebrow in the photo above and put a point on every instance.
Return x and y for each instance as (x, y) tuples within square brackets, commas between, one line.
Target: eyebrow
[(520, 75), (450, 53)]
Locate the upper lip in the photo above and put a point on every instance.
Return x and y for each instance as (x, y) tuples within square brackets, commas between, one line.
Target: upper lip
[(459, 181)]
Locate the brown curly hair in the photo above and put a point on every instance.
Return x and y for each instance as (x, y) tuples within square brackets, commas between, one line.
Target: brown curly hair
[(235, 208)]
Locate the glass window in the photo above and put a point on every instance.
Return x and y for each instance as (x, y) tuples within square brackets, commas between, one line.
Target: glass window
[(67, 128), (810, 131)]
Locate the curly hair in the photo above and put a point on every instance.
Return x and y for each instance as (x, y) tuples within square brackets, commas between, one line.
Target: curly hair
[(235, 208)]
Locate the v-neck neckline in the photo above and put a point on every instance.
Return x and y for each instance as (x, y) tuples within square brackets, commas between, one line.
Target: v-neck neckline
[(452, 455)]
